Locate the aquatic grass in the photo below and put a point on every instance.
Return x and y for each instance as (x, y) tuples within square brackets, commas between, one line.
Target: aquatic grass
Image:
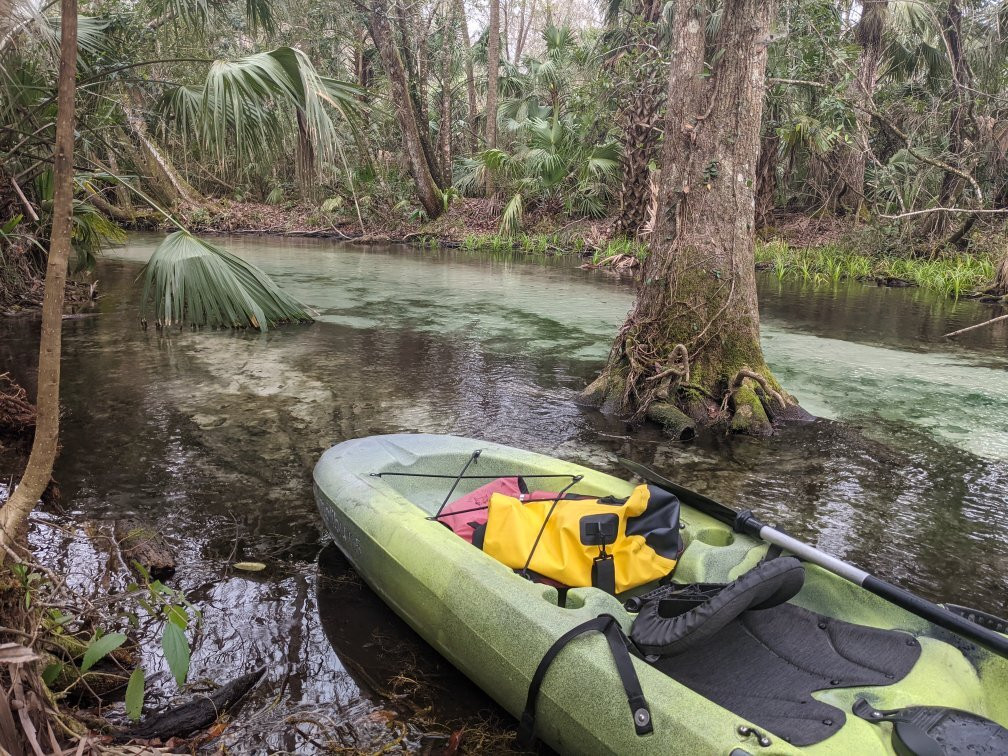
[(621, 248), (952, 276)]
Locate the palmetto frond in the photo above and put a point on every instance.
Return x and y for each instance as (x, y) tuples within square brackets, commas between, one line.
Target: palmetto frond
[(511, 218), (189, 280), (196, 14), (250, 103)]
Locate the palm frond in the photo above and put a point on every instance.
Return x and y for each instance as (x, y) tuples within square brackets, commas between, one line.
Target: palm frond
[(90, 232), (511, 218), (249, 104), (604, 160), (189, 280)]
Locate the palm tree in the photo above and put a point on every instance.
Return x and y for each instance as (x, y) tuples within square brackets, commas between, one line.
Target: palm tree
[(553, 153), (243, 110), (639, 42)]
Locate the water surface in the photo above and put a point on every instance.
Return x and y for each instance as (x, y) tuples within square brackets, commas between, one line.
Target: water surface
[(212, 436)]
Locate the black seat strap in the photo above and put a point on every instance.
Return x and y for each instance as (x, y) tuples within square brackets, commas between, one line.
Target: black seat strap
[(618, 646), (773, 551)]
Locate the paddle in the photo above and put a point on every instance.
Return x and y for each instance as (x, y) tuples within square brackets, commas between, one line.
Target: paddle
[(746, 522)]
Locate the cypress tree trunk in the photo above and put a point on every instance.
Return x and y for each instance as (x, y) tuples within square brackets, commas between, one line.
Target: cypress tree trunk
[(493, 69), (14, 514), (639, 116), (691, 342), (417, 157)]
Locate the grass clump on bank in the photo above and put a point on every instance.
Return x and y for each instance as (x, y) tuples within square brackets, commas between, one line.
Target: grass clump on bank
[(952, 275)]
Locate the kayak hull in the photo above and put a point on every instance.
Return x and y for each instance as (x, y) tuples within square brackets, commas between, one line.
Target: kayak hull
[(495, 626)]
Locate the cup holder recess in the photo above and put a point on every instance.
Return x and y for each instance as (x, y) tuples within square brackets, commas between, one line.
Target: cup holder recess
[(715, 537)]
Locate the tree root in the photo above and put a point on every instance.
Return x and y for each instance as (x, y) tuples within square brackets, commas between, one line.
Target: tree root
[(744, 373), (673, 421), (750, 416)]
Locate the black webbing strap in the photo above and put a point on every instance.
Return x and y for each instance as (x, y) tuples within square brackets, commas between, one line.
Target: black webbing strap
[(618, 646), (603, 573)]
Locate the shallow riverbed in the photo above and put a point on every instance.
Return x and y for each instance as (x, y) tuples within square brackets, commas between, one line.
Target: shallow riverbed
[(212, 435)]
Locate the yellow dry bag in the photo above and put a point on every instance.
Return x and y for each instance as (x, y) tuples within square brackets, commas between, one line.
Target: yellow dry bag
[(610, 543)]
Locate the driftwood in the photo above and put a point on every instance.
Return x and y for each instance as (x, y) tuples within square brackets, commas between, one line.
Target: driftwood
[(194, 715), (141, 544)]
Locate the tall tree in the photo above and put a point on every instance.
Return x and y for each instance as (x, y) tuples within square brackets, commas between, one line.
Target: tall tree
[(14, 514), (845, 195), (1000, 283), (961, 126), (415, 143), (493, 70), (445, 147), (463, 26), (639, 114), (691, 341)]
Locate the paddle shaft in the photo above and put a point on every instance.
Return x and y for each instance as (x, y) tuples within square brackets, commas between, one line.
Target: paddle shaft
[(901, 597), (745, 522)]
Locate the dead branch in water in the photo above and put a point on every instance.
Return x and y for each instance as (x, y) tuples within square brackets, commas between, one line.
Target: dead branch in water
[(17, 413), (978, 325)]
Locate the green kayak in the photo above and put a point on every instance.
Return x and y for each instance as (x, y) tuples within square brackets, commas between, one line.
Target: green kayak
[(495, 625)]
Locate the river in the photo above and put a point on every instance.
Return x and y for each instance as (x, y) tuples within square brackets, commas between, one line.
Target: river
[(212, 435)]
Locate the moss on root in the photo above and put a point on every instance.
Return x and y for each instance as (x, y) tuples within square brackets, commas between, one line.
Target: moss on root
[(674, 422), (749, 416)]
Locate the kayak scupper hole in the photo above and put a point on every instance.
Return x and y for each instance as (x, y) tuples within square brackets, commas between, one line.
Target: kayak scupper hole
[(715, 537), (564, 599)]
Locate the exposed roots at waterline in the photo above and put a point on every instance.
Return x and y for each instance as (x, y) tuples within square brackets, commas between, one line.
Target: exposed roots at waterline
[(738, 381)]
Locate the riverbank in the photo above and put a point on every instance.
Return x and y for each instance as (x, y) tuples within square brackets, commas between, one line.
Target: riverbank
[(818, 251)]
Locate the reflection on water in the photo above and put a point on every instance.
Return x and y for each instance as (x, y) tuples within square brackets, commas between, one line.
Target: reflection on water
[(212, 435)]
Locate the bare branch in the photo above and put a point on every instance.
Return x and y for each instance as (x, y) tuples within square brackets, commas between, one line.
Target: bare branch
[(954, 210)]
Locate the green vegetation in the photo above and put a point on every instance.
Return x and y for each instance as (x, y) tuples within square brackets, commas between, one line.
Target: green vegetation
[(951, 274)]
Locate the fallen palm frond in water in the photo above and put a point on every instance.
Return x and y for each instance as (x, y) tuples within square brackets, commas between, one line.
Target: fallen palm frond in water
[(189, 280)]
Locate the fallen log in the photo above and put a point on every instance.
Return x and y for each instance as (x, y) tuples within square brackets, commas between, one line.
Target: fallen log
[(140, 544), (194, 715)]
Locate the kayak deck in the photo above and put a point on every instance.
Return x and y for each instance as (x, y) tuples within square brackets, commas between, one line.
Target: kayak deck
[(495, 626)]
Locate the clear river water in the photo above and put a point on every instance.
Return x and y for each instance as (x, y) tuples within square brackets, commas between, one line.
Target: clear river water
[(212, 436)]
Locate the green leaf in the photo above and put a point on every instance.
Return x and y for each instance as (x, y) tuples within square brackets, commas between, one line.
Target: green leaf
[(51, 672), (176, 651), (177, 616), (135, 694), (249, 566), (101, 648), (142, 570), (11, 224)]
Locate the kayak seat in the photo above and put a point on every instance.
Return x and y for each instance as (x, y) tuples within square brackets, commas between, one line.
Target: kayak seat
[(751, 652), (661, 630)]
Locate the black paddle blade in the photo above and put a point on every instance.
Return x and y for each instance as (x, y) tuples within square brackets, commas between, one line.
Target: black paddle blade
[(691, 498)]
